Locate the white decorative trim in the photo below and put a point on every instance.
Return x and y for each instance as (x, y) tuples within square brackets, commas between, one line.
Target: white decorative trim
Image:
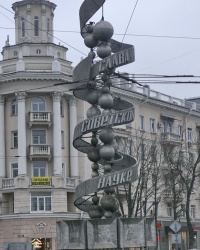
[(41, 224), (56, 96), (21, 95), (2, 99)]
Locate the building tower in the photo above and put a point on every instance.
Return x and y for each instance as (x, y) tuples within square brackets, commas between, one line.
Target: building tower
[(38, 164)]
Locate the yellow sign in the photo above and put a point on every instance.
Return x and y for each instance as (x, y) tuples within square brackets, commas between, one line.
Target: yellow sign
[(37, 243), (41, 181)]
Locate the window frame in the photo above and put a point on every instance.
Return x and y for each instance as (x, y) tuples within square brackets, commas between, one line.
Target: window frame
[(14, 139), (38, 137), (40, 168), (61, 108), (23, 27), (62, 139), (14, 107), (153, 125), (36, 26), (14, 168), (142, 123), (39, 197), (38, 104)]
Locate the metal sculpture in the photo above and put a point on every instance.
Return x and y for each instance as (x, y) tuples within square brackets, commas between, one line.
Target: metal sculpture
[(106, 111)]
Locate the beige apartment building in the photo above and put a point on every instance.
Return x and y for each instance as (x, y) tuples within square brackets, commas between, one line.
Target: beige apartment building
[(39, 167)]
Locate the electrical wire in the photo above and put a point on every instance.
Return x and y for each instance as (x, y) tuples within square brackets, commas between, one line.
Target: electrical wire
[(130, 20)]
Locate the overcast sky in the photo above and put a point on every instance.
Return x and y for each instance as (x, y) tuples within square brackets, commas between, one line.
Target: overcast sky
[(154, 55)]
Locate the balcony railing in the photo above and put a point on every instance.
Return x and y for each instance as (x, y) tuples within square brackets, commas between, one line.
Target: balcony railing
[(40, 151), (40, 116), (170, 137), (8, 183)]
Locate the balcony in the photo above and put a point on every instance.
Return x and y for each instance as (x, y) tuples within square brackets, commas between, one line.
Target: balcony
[(40, 151), (170, 138), (40, 118), (8, 183), (169, 196)]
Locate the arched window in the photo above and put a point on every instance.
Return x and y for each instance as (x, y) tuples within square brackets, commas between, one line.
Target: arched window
[(23, 26), (36, 26), (48, 25), (38, 104)]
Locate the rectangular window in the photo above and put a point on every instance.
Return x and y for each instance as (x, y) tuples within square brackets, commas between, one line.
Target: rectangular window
[(40, 201), (152, 125), (39, 137), (61, 108), (193, 211), (39, 168), (142, 125), (23, 27), (14, 110), (62, 139), (14, 170), (36, 26), (14, 139), (170, 211), (180, 131), (183, 210)]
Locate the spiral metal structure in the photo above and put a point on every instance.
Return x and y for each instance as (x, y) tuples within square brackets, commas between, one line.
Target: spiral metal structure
[(106, 112)]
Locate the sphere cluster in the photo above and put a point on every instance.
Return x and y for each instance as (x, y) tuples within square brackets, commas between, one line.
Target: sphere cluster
[(103, 144), (99, 36)]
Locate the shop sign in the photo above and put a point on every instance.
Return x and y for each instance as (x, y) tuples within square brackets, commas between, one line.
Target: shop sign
[(41, 181), (36, 243)]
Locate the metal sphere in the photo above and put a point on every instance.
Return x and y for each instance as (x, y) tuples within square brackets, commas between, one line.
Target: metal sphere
[(109, 82), (95, 199), (93, 96), (107, 168), (104, 50), (93, 154), (115, 208), (103, 31), (93, 111), (90, 41), (95, 166), (107, 152), (105, 90), (96, 212), (106, 135), (92, 84), (105, 101), (109, 190), (105, 77), (94, 141), (108, 202), (90, 28)]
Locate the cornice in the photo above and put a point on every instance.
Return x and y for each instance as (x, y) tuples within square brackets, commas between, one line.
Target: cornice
[(35, 76), (144, 99)]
